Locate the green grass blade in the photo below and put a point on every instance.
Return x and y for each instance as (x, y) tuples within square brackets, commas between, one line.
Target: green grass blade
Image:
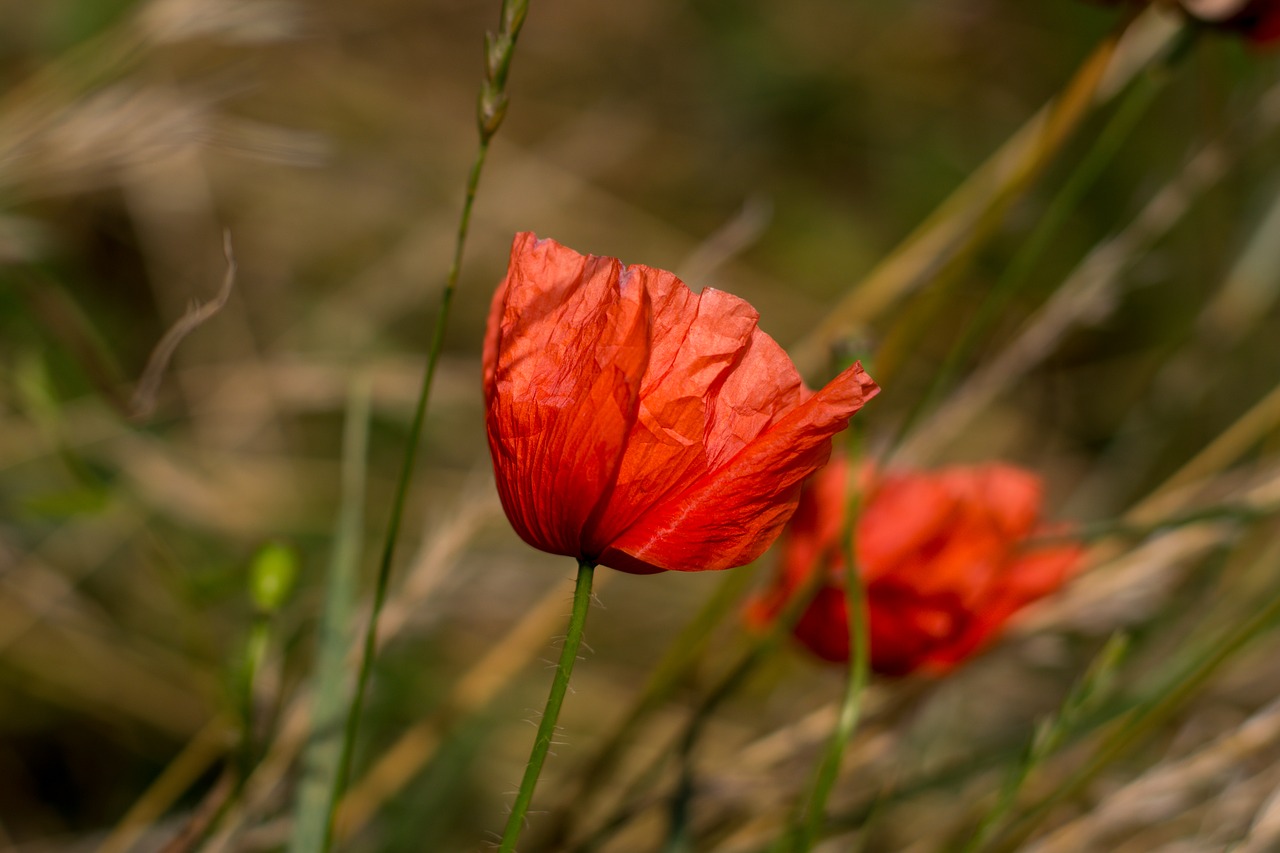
[(316, 795)]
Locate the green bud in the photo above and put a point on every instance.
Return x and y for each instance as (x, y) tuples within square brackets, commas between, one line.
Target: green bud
[(271, 575)]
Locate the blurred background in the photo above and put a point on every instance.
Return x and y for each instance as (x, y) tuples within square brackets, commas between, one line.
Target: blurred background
[(777, 151)]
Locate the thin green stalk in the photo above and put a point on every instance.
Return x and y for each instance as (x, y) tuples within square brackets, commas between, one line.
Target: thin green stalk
[(547, 726), (317, 793), (491, 109), (1242, 513), (1143, 719), (1093, 687), (1105, 147), (272, 573), (859, 673), (683, 653)]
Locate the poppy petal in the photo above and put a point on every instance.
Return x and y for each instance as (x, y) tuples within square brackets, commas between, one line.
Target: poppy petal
[(762, 387), (732, 513), (1007, 495), (901, 516), (942, 557), (696, 340), (568, 350)]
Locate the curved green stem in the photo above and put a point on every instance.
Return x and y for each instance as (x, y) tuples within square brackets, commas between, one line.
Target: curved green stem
[(547, 726), (807, 825), (682, 655), (851, 708), (369, 645)]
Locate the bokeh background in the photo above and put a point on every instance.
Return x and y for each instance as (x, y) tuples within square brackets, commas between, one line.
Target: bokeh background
[(775, 150)]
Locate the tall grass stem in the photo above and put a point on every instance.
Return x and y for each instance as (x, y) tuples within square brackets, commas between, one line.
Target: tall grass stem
[(318, 791), (490, 111), (1105, 147), (859, 673), (369, 644)]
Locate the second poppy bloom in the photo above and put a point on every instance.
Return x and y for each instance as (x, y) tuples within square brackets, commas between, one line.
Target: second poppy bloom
[(636, 424), (943, 556)]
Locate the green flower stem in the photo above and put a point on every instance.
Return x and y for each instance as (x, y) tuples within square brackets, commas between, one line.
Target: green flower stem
[(807, 824), (859, 673), (547, 726), (682, 656), (490, 110)]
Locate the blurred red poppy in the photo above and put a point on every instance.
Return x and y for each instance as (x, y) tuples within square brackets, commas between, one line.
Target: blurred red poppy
[(1257, 20), (943, 558), (636, 424)]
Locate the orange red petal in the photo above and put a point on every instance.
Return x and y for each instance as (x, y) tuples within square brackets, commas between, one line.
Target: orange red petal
[(944, 557), (637, 424)]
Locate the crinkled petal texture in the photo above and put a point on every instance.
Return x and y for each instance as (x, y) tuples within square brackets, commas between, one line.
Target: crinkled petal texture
[(642, 426), (943, 556)]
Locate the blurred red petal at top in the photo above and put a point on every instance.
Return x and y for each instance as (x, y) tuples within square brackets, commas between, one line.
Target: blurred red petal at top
[(642, 426), (944, 556), (1256, 20)]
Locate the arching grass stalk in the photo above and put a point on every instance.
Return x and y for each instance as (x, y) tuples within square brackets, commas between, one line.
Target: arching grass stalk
[(491, 109), (1240, 513), (1104, 149), (547, 725), (810, 819), (1094, 686), (970, 214), (1143, 719)]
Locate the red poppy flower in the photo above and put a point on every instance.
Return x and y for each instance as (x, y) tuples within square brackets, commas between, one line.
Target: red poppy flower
[(636, 424), (1257, 20), (942, 558)]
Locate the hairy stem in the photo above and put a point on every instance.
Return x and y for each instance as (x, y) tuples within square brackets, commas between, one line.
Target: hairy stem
[(547, 726)]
